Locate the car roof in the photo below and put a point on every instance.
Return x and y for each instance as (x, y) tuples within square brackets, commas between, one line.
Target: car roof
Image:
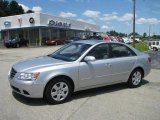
[(93, 42)]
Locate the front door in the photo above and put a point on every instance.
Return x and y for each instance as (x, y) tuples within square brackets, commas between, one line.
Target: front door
[(95, 72)]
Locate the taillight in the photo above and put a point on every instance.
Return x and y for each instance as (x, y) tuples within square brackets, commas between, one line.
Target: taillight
[(149, 59)]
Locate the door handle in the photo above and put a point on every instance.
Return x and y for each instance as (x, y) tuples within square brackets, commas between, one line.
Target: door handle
[(108, 65), (131, 60)]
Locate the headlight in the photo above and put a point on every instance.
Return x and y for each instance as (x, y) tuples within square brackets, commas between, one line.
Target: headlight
[(28, 76)]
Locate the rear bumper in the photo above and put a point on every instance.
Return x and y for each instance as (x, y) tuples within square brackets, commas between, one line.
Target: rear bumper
[(147, 70)]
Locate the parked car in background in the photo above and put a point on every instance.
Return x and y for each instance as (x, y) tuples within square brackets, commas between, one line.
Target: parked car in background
[(73, 39), (155, 45), (137, 39), (107, 38), (126, 40), (78, 66), (56, 41), (16, 42)]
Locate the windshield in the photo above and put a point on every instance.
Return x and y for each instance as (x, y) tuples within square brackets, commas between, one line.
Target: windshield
[(70, 52)]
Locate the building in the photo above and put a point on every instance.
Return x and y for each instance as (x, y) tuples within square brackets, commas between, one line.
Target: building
[(39, 27)]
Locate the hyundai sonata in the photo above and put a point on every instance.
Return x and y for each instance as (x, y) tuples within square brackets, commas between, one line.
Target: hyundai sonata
[(78, 66)]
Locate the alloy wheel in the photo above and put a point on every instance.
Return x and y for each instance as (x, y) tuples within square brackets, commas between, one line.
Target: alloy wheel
[(59, 91), (136, 78)]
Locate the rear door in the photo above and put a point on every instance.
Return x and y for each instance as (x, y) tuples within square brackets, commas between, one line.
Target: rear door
[(122, 60)]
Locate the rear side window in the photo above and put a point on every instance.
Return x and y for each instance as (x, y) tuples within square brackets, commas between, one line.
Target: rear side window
[(120, 50), (157, 43)]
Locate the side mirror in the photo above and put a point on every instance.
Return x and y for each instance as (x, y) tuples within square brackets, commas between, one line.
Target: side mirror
[(89, 58)]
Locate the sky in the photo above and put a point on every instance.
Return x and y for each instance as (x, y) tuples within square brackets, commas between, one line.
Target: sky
[(107, 14)]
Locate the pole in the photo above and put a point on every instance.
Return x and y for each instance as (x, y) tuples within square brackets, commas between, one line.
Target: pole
[(149, 32), (134, 12)]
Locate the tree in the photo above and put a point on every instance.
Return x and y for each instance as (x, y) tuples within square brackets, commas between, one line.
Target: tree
[(15, 9), (30, 11), (144, 35), (10, 8), (136, 34), (4, 8), (121, 34), (112, 33)]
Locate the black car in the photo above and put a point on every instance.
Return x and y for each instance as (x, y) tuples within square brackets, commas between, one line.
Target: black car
[(16, 43), (94, 37)]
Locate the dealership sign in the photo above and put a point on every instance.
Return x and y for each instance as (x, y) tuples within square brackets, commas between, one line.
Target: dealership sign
[(31, 20), (59, 24), (7, 23)]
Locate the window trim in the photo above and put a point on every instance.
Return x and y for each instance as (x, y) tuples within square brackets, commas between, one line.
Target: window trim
[(126, 47), (109, 44), (93, 48)]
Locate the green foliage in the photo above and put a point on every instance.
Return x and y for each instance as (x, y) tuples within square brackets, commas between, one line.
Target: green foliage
[(114, 33), (30, 11), (10, 8), (136, 34), (156, 36), (141, 46), (144, 35)]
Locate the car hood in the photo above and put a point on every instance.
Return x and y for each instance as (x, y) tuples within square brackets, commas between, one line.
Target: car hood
[(37, 63)]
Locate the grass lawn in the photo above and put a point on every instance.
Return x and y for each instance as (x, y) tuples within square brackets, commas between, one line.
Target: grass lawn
[(141, 46)]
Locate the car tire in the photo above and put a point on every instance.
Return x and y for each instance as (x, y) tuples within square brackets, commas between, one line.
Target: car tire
[(155, 49), (27, 44), (135, 78), (17, 45), (58, 91)]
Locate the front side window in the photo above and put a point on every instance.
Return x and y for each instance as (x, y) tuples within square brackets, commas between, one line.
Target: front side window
[(70, 52), (100, 52), (119, 50), (153, 43)]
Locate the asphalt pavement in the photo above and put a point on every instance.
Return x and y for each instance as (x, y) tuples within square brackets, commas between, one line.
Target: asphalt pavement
[(115, 102), (155, 59)]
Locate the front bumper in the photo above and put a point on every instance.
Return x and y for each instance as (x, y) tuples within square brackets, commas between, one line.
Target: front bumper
[(26, 88)]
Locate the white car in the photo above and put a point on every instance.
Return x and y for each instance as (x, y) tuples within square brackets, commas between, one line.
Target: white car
[(126, 40), (155, 45)]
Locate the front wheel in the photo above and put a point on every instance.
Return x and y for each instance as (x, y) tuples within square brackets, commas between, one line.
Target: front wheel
[(135, 78), (58, 91), (17, 45)]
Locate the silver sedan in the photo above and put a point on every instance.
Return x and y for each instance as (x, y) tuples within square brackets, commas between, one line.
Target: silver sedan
[(78, 66)]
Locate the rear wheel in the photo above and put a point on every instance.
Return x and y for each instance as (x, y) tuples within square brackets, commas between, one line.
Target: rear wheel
[(155, 49), (135, 78), (58, 91)]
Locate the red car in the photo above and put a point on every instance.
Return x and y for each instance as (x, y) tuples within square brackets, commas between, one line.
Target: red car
[(56, 41), (107, 38)]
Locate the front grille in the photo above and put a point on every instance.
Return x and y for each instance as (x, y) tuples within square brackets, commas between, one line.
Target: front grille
[(12, 73)]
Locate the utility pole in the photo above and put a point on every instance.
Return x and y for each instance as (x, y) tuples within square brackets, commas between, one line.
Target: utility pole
[(149, 32), (134, 14)]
